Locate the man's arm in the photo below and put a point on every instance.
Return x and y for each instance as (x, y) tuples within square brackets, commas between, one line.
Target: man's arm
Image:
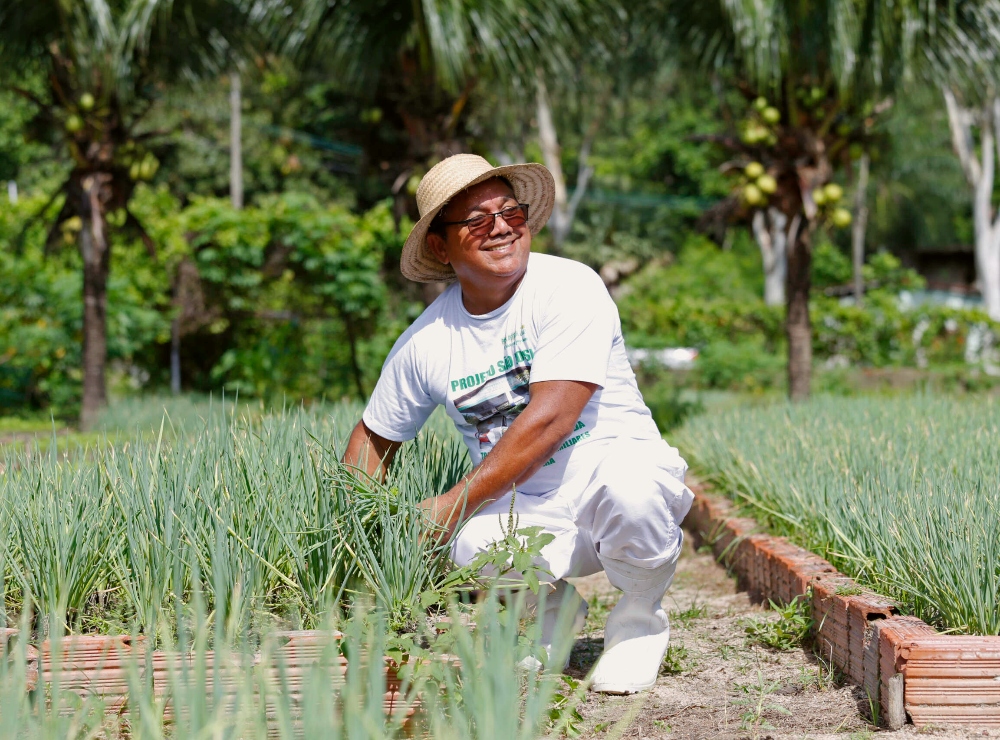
[(370, 452), (536, 434)]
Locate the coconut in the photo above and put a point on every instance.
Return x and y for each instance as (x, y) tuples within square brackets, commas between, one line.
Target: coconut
[(833, 192), (754, 170), (767, 184), (819, 196), (841, 218), (771, 115), (74, 124), (752, 195), (86, 101)]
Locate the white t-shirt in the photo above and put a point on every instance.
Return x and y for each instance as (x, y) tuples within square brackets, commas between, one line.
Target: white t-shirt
[(561, 324)]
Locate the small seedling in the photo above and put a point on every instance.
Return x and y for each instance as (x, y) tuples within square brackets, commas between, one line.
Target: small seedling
[(755, 702), (789, 631), (677, 660), (684, 617), (563, 712), (874, 709)]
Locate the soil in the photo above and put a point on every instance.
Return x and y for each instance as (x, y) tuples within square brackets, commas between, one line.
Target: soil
[(717, 682)]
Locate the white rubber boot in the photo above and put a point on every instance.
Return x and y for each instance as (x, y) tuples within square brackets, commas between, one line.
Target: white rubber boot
[(637, 632), (561, 595)]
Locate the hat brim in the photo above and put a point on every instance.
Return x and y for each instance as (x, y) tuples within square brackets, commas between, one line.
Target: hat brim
[(533, 184)]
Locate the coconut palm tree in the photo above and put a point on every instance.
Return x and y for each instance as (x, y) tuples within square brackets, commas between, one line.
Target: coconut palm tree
[(102, 63), (425, 59), (815, 74)]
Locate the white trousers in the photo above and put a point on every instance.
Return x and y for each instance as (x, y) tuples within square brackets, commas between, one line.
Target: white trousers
[(629, 509)]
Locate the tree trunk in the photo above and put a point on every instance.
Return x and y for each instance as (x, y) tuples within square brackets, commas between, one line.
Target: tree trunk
[(352, 342), (858, 230), (798, 328), (564, 211), (987, 229), (96, 253), (769, 232), (980, 173), (235, 141), (175, 356)]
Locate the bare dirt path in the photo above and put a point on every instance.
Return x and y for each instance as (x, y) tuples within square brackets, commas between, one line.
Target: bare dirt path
[(716, 682)]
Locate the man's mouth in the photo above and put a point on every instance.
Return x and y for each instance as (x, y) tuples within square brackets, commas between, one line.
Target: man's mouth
[(498, 247)]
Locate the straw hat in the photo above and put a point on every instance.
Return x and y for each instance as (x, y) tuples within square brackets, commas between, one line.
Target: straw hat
[(532, 183)]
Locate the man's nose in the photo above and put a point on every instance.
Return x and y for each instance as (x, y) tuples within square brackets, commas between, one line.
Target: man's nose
[(500, 227)]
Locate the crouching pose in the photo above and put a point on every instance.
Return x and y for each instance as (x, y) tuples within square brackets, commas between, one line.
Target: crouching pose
[(525, 352)]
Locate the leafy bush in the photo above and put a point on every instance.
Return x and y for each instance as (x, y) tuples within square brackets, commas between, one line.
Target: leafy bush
[(707, 300), (288, 300), (744, 366)]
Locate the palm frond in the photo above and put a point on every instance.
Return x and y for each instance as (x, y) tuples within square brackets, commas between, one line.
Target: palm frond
[(452, 41), (866, 48)]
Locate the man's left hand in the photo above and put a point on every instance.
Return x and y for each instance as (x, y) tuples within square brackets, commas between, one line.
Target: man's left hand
[(444, 511)]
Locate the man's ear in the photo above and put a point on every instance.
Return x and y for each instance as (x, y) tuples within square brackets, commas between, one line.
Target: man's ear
[(437, 246)]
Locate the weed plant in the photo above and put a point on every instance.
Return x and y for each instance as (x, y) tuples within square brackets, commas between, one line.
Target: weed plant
[(789, 631), (901, 493)]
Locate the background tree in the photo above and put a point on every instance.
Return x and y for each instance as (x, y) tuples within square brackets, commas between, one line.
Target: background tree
[(814, 75), (102, 61), (420, 64), (978, 160)]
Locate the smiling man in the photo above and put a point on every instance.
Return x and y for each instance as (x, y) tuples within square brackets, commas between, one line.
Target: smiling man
[(525, 352)]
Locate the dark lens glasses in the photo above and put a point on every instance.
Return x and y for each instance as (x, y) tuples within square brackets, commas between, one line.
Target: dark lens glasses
[(483, 225)]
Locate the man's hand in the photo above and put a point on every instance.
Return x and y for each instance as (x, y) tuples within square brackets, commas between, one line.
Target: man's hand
[(445, 512), (535, 435)]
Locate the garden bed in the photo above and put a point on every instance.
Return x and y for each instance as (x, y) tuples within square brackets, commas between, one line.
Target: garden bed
[(906, 667)]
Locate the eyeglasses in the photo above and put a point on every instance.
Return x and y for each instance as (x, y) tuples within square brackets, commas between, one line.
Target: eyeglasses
[(482, 225)]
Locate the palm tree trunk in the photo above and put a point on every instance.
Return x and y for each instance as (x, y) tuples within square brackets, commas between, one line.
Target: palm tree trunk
[(860, 226), (235, 141), (772, 239), (798, 327), (96, 254)]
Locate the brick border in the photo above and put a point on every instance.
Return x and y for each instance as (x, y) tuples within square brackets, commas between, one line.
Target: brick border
[(107, 666), (913, 671)]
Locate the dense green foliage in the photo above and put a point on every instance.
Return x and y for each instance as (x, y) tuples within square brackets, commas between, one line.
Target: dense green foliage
[(287, 299), (709, 299), (900, 493)]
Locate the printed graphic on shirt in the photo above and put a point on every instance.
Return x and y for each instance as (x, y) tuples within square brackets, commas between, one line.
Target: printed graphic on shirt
[(496, 397), (493, 406)]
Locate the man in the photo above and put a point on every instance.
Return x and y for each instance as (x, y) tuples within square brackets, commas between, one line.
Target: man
[(525, 352)]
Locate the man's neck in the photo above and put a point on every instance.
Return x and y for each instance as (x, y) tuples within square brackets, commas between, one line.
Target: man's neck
[(479, 298)]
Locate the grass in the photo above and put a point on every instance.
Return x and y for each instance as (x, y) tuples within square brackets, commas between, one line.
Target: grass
[(902, 493)]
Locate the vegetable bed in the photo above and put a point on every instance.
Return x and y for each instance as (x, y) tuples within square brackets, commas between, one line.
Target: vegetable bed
[(901, 493), (211, 547)]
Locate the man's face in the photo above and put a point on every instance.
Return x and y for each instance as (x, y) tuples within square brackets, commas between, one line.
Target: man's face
[(501, 254)]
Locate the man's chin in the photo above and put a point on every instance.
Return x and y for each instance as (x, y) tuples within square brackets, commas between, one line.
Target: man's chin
[(513, 266)]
